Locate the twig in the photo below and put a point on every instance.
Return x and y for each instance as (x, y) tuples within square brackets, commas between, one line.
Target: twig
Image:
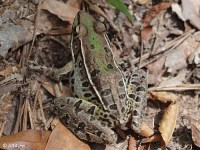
[(36, 27), (181, 87), (171, 47)]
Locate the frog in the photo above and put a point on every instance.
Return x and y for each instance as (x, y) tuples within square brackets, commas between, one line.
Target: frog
[(103, 97)]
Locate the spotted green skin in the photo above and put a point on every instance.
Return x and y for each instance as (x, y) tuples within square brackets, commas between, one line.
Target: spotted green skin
[(103, 98)]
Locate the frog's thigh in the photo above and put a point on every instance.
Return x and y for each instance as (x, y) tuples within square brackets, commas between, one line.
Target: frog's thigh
[(137, 91), (78, 116)]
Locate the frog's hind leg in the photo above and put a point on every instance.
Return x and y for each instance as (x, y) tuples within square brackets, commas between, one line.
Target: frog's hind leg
[(137, 91), (79, 116)]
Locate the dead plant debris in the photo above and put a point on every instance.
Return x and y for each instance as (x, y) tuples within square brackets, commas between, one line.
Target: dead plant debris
[(35, 45)]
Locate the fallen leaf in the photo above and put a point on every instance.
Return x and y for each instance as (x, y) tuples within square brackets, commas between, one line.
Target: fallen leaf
[(62, 138), (56, 89), (30, 139), (154, 11), (62, 10), (178, 59), (49, 87), (191, 11), (156, 71), (178, 10), (168, 122), (9, 69), (195, 132), (146, 34)]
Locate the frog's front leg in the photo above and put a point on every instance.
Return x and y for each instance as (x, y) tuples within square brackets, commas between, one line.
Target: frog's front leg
[(137, 91), (79, 116)]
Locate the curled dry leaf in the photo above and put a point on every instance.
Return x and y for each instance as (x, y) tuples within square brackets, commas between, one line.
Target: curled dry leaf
[(163, 97), (62, 138), (24, 140), (196, 132), (168, 122)]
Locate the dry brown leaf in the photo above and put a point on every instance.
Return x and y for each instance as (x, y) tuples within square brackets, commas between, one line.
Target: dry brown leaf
[(30, 139), (154, 138), (146, 34), (128, 42), (62, 10), (9, 69), (191, 11), (195, 132), (155, 11), (132, 143), (178, 59), (49, 87), (56, 89), (62, 138), (146, 131), (168, 122), (163, 97), (156, 71)]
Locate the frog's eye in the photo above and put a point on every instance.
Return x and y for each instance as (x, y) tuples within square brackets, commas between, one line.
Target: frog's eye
[(100, 27), (81, 30)]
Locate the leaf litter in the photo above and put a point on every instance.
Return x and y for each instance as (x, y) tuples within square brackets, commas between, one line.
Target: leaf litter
[(160, 40)]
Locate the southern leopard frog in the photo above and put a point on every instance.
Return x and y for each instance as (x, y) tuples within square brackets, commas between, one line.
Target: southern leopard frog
[(103, 98)]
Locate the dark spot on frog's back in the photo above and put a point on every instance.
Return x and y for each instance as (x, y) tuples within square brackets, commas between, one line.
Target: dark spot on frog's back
[(66, 117), (62, 106), (72, 88), (123, 110), (122, 96), (135, 83), (138, 99), (121, 83), (91, 110), (72, 73), (85, 84), (135, 113), (113, 107), (72, 81), (80, 64), (77, 104), (99, 133), (92, 46), (87, 95), (94, 72), (106, 49), (132, 96), (141, 89), (105, 92), (110, 66), (81, 125)]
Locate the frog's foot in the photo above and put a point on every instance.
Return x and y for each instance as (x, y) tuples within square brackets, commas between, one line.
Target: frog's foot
[(137, 91), (79, 116)]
